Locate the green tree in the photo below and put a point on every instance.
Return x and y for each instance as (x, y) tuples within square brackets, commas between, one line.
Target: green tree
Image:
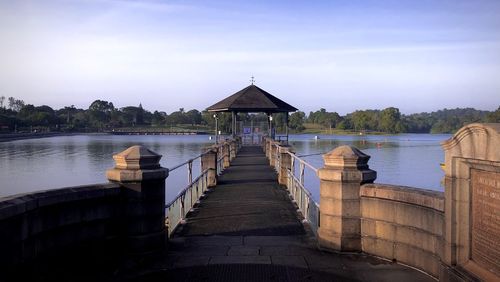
[(390, 120), (296, 121), (100, 113)]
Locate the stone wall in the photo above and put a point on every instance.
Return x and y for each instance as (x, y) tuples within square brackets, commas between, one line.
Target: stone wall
[(36, 224), (404, 224)]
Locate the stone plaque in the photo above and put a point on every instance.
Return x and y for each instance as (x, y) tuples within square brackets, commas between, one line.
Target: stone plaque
[(486, 220)]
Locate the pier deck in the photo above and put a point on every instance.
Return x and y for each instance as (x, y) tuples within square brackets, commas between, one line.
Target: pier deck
[(247, 229)]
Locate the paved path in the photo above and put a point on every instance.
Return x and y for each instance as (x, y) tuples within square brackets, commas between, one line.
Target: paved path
[(247, 229)]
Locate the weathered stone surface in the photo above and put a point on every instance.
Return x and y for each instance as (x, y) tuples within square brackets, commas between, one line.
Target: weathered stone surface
[(346, 168), (346, 157), (137, 157), (472, 166)]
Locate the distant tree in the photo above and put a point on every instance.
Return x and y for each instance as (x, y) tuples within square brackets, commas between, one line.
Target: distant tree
[(493, 116), (296, 121), (100, 113), (2, 99), (390, 120), (194, 117)]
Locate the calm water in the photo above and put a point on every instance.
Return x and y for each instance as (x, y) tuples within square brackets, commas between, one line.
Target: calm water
[(56, 162), (406, 159), (40, 164)]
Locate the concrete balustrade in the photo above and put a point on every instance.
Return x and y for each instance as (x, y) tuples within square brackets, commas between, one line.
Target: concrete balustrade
[(209, 161), (285, 164), (403, 224), (346, 168), (142, 180), (124, 218), (47, 222), (226, 151)]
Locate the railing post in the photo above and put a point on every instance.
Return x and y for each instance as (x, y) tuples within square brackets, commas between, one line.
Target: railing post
[(209, 161), (272, 153), (142, 179), (346, 168), (233, 146), (285, 165), (267, 143), (226, 151)]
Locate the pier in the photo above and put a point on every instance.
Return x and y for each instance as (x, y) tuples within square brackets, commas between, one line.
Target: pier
[(247, 228)]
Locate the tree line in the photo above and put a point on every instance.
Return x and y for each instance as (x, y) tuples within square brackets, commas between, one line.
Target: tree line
[(16, 115), (390, 120)]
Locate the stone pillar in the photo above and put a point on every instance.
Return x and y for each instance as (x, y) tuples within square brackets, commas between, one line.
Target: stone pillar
[(285, 165), (226, 152), (272, 153), (209, 161), (234, 149), (346, 168), (142, 179)]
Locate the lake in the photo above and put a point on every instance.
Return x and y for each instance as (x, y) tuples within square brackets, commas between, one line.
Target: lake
[(56, 162)]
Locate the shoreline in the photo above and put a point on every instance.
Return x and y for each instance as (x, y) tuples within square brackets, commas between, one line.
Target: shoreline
[(7, 137)]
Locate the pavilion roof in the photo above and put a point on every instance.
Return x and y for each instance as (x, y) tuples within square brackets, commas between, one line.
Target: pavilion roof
[(251, 99)]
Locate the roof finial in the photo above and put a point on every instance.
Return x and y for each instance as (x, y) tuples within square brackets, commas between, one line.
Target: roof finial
[(252, 80)]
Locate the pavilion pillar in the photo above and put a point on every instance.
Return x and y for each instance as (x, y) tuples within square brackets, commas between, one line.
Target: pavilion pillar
[(233, 123), (286, 127)]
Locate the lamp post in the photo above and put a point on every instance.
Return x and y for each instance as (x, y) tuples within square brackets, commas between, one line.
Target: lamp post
[(216, 128), (271, 126)]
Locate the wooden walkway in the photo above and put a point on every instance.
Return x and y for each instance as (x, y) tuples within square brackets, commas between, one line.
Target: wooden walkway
[(247, 229)]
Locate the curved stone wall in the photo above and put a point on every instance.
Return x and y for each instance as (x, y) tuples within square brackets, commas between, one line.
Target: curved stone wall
[(403, 224), (41, 223)]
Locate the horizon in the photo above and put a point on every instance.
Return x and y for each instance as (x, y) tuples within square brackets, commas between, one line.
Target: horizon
[(342, 55)]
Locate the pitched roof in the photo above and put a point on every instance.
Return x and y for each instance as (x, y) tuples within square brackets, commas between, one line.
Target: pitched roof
[(251, 99)]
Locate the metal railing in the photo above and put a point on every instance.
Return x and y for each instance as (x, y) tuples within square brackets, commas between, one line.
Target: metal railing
[(177, 209), (300, 194), (295, 185), (185, 201)]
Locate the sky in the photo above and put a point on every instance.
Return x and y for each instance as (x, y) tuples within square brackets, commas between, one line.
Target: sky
[(339, 55)]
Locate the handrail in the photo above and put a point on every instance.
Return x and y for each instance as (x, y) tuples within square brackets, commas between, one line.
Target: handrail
[(188, 161), (302, 197), (178, 209), (186, 199), (183, 191), (303, 162)]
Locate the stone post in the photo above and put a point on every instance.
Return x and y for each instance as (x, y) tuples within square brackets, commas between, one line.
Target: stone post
[(142, 179), (209, 161), (346, 168), (285, 165), (234, 149), (272, 153), (227, 154), (266, 147)]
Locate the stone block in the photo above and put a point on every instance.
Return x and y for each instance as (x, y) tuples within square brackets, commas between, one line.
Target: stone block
[(378, 229), (377, 246), (418, 258)]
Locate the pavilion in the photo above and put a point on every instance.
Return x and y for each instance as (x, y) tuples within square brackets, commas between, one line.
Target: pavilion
[(252, 99)]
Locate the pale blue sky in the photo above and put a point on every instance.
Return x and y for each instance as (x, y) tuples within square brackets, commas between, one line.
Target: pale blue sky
[(339, 55)]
